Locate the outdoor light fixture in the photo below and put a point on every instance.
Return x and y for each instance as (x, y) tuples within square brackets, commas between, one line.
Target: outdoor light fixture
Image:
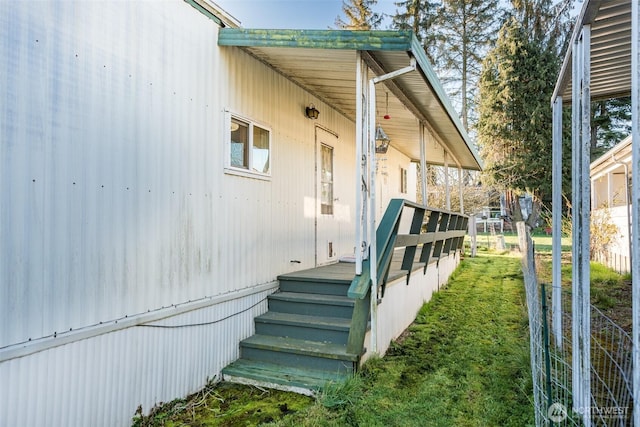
[(311, 112), (382, 141)]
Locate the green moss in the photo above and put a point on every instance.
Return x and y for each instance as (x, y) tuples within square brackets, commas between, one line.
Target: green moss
[(226, 404)]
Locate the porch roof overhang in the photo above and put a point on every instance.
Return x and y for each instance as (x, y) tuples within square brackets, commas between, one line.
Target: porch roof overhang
[(323, 62), (610, 22)]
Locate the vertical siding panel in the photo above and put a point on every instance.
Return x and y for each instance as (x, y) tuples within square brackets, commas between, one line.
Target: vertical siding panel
[(10, 401), (5, 400)]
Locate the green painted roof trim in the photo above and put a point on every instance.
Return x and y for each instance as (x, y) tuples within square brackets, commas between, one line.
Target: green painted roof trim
[(317, 39), (425, 66)]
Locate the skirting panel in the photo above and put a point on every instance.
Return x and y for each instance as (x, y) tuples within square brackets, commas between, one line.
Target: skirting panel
[(101, 380), (401, 303)]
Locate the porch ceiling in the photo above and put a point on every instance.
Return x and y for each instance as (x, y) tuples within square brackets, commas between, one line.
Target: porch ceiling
[(324, 63), (610, 22)]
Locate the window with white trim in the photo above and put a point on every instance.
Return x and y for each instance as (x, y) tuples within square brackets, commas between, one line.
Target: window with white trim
[(249, 147)]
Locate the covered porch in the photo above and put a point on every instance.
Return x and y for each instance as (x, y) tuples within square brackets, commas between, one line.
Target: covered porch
[(324, 322)]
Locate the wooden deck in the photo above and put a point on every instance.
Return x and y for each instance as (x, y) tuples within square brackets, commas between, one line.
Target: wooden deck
[(346, 271)]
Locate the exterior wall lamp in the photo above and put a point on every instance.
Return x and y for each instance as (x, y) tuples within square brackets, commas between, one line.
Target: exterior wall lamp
[(311, 112), (382, 141)]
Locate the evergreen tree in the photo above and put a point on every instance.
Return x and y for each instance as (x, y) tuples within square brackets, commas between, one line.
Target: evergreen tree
[(466, 30), (359, 15), (456, 35), (419, 16), (610, 124), (516, 84)]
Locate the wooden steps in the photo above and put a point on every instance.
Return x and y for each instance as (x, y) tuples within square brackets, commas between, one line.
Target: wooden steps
[(271, 375), (300, 342), (327, 329), (311, 304)]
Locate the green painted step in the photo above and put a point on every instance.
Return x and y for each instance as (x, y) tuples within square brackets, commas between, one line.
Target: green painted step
[(300, 326), (305, 354), (311, 304), (328, 286), (287, 376), (304, 347)]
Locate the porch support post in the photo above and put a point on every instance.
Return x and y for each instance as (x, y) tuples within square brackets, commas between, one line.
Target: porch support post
[(371, 226), (423, 164), (460, 188), (362, 140), (556, 233), (609, 192), (373, 260), (581, 129), (447, 190), (635, 199), (576, 371)]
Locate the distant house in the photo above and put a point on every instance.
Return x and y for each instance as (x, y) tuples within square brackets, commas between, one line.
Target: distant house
[(610, 197), (163, 171)]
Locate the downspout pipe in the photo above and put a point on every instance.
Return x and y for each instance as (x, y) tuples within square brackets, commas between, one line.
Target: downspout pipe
[(371, 155), (628, 203)]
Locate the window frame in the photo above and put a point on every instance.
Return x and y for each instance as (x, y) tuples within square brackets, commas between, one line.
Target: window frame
[(249, 171)]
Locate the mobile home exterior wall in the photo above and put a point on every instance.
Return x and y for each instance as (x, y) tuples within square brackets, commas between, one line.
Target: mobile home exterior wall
[(133, 259)]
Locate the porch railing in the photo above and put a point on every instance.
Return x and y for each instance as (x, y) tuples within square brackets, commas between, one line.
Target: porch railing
[(433, 232)]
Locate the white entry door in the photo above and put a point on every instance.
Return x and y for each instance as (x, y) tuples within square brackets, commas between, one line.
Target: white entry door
[(326, 223)]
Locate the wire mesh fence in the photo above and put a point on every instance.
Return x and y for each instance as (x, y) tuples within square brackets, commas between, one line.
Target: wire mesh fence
[(551, 361)]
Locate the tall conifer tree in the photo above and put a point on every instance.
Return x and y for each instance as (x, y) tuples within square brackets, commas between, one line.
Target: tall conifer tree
[(359, 15), (466, 31), (517, 81), (419, 16)]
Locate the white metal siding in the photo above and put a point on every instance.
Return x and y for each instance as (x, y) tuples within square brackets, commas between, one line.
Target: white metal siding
[(289, 198), (101, 381), (106, 200), (111, 170), (388, 179)]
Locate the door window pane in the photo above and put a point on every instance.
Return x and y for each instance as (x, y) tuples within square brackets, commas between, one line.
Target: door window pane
[(326, 180)]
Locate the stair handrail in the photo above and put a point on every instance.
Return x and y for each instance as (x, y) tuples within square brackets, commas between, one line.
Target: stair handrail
[(387, 234), (442, 232)]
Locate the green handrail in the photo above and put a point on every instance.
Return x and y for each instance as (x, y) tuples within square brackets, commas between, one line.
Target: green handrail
[(443, 232)]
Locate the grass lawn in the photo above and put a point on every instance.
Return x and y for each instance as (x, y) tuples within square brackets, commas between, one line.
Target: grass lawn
[(464, 362), (542, 241)]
